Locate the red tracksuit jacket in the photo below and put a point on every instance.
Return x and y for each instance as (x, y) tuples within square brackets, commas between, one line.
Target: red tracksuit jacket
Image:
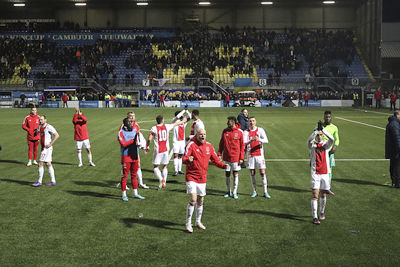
[(231, 145), (196, 171), (80, 125), (31, 122)]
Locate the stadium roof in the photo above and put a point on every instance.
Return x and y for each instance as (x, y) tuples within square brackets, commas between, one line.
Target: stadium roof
[(55, 4)]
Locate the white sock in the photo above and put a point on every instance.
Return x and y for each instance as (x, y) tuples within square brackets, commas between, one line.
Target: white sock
[(314, 207), (180, 164), (228, 184), (176, 164), (165, 174), (90, 157), (139, 176), (264, 182), (157, 172), (41, 171), (135, 192), (51, 172), (199, 212), (254, 183), (80, 156), (189, 212), (235, 183), (322, 203), (124, 193)]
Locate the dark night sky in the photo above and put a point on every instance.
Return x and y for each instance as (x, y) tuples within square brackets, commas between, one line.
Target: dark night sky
[(391, 11)]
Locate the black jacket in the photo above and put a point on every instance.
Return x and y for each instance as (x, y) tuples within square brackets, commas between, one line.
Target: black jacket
[(392, 138), (243, 121)]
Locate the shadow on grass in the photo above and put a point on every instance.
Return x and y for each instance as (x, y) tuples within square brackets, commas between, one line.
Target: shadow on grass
[(288, 189), (17, 182), (92, 194), (63, 163), (276, 215), (94, 183), (12, 161), (130, 222), (360, 182)]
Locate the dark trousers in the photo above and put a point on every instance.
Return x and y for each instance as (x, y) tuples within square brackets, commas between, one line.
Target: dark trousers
[(395, 171), (393, 104)]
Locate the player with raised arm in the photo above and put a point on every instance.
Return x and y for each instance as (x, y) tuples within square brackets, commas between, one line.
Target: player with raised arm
[(231, 146), (178, 146), (160, 134), (48, 136), (197, 124), (30, 125), (334, 131), (81, 136), (129, 157), (320, 182), (197, 158), (142, 145), (254, 138)]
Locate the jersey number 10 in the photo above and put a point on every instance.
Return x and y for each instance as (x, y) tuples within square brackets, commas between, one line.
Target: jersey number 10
[(162, 135)]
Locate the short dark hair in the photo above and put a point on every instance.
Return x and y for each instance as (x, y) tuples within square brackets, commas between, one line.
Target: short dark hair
[(327, 112), (159, 119), (396, 113), (196, 112), (252, 117), (243, 109), (232, 118), (44, 116), (126, 121)]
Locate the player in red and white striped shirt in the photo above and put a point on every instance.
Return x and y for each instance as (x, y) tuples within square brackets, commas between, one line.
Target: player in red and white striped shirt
[(319, 153), (160, 134), (48, 135), (178, 146), (254, 138), (197, 124)]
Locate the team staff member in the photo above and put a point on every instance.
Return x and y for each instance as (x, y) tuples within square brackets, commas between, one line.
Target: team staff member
[(30, 125), (392, 147), (231, 146), (334, 131), (320, 182), (254, 138), (48, 136), (197, 157), (129, 157), (81, 136)]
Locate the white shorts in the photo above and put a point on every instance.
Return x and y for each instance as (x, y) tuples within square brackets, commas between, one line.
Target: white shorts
[(320, 181), (256, 162), (195, 188), (234, 166), (161, 158), (179, 147), (46, 154), (84, 144)]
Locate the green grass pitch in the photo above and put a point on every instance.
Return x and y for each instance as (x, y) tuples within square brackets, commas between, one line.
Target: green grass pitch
[(82, 221)]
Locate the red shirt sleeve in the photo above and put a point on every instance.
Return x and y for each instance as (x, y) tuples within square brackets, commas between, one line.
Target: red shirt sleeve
[(242, 146), (215, 160), (25, 126), (188, 153)]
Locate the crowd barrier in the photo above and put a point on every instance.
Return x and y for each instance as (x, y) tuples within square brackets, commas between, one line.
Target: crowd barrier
[(201, 104)]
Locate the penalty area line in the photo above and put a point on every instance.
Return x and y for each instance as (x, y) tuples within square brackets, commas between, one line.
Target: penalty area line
[(362, 123)]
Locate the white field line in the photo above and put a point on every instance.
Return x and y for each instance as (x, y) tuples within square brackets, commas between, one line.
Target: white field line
[(295, 160), (362, 123), (377, 112)]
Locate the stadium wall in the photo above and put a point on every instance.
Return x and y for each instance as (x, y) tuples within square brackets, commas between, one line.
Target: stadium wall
[(263, 17)]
